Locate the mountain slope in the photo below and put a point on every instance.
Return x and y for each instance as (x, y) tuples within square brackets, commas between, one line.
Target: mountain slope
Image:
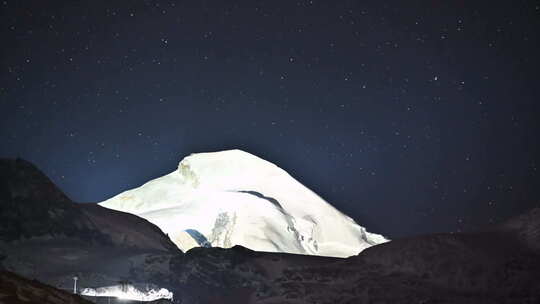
[(232, 198), (32, 206), (44, 235), (18, 290), (493, 266), (525, 228)]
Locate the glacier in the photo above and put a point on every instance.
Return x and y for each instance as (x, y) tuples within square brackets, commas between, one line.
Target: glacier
[(228, 198)]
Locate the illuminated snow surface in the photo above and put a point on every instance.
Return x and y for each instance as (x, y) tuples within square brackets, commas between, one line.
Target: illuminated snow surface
[(128, 292), (228, 198)]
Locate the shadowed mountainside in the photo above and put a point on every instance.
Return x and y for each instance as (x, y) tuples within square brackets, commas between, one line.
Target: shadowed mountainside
[(15, 289), (44, 235), (32, 206), (500, 265)]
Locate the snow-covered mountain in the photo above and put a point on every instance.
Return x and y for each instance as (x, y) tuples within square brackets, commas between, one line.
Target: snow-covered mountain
[(228, 198)]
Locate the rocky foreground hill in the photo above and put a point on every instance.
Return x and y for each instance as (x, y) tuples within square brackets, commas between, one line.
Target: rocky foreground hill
[(51, 238), (497, 266), (46, 236), (15, 289)]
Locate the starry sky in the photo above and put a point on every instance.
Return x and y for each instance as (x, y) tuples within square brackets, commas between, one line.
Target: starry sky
[(410, 116)]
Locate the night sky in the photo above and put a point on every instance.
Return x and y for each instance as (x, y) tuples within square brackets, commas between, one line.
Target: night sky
[(410, 116)]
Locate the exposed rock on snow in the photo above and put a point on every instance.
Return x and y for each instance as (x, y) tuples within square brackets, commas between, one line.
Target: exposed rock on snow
[(235, 198)]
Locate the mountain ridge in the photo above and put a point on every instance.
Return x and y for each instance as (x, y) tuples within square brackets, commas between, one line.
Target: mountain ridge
[(46, 236)]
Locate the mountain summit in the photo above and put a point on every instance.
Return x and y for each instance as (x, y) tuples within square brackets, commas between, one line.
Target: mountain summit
[(227, 198)]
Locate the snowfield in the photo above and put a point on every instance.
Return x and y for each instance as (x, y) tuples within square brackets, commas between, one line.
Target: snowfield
[(227, 198)]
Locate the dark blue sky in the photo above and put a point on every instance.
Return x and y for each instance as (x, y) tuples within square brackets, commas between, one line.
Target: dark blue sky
[(410, 116)]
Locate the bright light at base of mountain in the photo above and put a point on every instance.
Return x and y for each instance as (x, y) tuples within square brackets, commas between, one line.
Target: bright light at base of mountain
[(128, 292), (228, 198)]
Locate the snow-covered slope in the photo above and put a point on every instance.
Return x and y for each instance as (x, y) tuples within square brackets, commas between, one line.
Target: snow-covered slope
[(228, 198)]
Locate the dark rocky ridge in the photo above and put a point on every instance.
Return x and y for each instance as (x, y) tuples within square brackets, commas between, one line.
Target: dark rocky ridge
[(526, 228), (500, 265), (32, 206), (46, 236), (15, 289)]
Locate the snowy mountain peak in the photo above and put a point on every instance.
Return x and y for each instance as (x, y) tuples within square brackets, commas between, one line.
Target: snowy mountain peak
[(232, 197), (225, 169)]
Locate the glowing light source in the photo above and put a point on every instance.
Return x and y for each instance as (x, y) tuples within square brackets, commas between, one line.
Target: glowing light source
[(128, 292)]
